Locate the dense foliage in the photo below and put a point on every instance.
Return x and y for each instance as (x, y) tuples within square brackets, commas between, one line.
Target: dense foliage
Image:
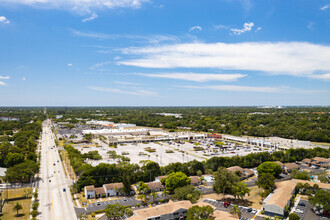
[(303, 123)]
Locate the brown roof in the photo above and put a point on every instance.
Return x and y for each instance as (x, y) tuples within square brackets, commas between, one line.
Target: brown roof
[(306, 160), (291, 166), (279, 163), (99, 190), (90, 188), (114, 186), (282, 194), (195, 179), (171, 207), (249, 172), (235, 168), (155, 185), (222, 215), (321, 185), (321, 159)]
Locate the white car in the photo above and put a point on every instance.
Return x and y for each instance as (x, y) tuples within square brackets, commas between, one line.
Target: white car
[(299, 211)]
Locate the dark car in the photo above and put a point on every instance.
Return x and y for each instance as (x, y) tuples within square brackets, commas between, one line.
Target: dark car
[(301, 204), (249, 210), (64, 189)]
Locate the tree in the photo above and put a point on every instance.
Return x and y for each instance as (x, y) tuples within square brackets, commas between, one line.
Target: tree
[(224, 181), (27, 192), (322, 197), (176, 180), (115, 211), (269, 167), (196, 213), (187, 193), (21, 173), (240, 190), (17, 207), (82, 216), (294, 216), (235, 211), (154, 195), (142, 188), (165, 193), (13, 159), (266, 181), (302, 175)]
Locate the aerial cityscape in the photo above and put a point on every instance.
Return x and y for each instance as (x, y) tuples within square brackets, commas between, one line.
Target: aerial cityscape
[(164, 110)]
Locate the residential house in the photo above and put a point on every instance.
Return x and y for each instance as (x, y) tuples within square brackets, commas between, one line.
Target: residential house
[(243, 173), (99, 192), (116, 189), (321, 162), (280, 163), (89, 192), (159, 178), (175, 211), (195, 180), (275, 202), (291, 166), (155, 186)]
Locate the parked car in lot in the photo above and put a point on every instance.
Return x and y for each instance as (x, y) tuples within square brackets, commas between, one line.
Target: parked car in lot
[(249, 209), (98, 203), (301, 204), (299, 211), (226, 204)]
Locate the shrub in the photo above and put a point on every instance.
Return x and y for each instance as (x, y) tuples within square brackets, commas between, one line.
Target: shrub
[(35, 205), (83, 194), (103, 196), (34, 213), (138, 205), (162, 200), (262, 212), (93, 214)]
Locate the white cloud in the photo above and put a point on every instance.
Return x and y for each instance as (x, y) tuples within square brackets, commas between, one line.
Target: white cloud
[(325, 76), (69, 64), (23, 78), (92, 17), (153, 39), (4, 20), (196, 77), (246, 27), (325, 7), (80, 6), (136, 92), (258, 29), (2, 83), (235, 88), (99, 66), (126, 83), (220, 26), (199, 28), (4, 77), (288, 58)]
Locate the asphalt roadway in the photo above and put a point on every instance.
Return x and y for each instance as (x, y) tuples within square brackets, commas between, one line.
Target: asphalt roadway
[(55, 202)]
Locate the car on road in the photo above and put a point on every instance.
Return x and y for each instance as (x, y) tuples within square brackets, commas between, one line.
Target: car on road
[(301, 204), (64, 189)]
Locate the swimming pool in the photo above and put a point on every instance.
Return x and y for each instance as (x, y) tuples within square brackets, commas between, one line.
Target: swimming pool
[(208, 178)]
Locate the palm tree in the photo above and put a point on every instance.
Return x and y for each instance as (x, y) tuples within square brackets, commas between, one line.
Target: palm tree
[(236, 211), (17, 207), (27, 192), (142, 197)]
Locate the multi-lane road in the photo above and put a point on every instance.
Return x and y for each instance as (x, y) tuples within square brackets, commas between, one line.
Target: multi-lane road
[(54, 193)]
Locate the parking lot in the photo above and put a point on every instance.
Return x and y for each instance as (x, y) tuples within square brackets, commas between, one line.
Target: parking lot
[(247, 213), (304, 211), (168, 152)]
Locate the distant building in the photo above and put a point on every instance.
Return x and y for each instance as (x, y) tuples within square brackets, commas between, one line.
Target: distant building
[(244, 173), (116, 189), (291, 166), (195, 180)]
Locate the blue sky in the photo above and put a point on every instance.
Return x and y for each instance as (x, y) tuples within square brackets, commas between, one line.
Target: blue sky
[(164, 52)]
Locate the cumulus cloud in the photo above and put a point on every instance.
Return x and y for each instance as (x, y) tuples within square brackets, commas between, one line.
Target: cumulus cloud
[(289, 58), (69, 64), (235, 88), (246, 27), (81, 6), (23, 78), (139, 92), (4, 20), (2, 83), (92, 17), (198, 28), (196, 77), (325, 7)]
